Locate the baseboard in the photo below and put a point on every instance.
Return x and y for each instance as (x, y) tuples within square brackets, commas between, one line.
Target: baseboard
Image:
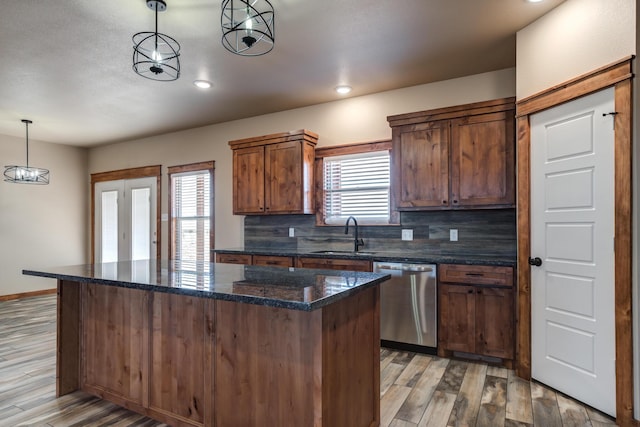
[(27, 294)]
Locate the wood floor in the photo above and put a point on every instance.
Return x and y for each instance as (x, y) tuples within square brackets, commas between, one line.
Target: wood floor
[(417, 390)]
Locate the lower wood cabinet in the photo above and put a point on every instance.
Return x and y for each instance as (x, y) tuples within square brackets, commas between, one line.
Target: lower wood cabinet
[(477, 312), (299, 262)]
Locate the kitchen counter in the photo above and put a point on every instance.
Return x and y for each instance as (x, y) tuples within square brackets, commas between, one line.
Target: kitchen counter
[(230, 345), (425, 257), (294, 288)]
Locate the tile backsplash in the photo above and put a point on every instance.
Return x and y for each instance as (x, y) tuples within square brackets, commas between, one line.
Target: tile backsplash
[(480, 232)]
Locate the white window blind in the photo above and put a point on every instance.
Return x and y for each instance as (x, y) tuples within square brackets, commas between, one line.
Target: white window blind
[(191, 215), (358, 185)]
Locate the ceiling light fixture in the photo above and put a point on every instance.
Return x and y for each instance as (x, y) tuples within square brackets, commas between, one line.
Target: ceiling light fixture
[(156, 56), (202, 84), (26, 174), (343, 89), (247, 26)]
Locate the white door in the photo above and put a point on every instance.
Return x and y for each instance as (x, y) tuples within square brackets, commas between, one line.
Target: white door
[(572, 230), (125, 220)]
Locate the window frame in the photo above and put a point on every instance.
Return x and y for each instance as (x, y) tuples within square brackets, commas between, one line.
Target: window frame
[(208, 166), (341, 150)]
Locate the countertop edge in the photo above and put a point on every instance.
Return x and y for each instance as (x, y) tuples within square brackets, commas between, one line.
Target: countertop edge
[(378, 256), (270, 302)]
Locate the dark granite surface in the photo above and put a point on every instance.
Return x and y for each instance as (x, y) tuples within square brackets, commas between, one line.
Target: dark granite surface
[(292, 288), (378, 255)]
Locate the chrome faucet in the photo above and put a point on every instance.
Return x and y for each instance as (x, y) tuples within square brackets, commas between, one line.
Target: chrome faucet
[(356, 242)]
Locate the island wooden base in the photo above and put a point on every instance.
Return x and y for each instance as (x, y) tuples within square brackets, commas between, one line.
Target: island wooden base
[(190, 361)]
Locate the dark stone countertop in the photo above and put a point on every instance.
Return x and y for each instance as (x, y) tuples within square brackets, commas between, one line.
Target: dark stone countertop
[(381, 255), (291, 288)]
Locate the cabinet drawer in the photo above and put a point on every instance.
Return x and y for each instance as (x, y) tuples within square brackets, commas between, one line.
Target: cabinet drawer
[(334, 264), (234, 258), (476, 274), (273, 261)]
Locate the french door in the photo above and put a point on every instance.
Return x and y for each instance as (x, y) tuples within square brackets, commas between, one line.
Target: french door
[(125, 219)]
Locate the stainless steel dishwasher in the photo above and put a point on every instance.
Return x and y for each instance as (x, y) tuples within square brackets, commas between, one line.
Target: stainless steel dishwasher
[(408, 306)]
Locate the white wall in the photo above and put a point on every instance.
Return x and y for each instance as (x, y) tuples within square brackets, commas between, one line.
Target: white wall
[(41, 225), (575, 38), (345, 121)]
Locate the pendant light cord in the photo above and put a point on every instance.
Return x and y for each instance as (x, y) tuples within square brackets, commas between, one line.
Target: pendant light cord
[(27, 126)]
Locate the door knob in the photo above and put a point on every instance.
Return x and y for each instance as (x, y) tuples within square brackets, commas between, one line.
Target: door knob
[(535, 261)]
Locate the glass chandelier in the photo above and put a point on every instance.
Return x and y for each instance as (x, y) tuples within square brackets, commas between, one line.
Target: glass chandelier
[(156, 56), (247, 26), (26, 174)]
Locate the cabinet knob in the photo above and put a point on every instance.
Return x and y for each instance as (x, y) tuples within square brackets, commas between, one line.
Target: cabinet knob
[(444, 202), (479, 291), (470, 291), (455, 202)]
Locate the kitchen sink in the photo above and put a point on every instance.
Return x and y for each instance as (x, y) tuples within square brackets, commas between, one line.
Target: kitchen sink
[(362, 253)]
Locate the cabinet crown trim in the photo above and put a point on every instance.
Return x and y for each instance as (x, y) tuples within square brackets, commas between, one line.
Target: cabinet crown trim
[(275, 138), (493, 106)]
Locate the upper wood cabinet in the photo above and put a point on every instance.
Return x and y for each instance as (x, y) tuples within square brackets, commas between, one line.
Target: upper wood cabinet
[(273, 174), (455, 157)]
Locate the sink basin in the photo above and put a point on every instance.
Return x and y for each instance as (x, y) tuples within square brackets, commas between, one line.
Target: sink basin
[(362, 253)]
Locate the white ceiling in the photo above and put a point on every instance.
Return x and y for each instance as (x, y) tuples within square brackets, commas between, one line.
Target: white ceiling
[(66, 64)]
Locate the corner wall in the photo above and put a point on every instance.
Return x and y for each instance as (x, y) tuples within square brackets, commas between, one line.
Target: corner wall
[(575, 38), (349, 120), (41, 225)]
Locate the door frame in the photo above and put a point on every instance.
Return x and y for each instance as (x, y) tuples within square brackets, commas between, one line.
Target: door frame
[(132, 173), (619, 75)]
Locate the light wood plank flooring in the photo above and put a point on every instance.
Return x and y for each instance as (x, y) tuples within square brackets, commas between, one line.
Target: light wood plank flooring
[(416, 389)]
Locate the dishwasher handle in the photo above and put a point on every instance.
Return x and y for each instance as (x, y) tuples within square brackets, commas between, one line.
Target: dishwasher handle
[(405, 267)]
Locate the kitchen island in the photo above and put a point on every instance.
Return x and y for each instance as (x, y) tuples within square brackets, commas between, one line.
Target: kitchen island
[(199, 344)]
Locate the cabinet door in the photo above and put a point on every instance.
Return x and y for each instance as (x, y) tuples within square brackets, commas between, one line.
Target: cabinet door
[(482, 160), (456, 327), (421, 166), (115, 348), (181, 351), (283, 177), (494, 322), (248, 180), (334, 264)]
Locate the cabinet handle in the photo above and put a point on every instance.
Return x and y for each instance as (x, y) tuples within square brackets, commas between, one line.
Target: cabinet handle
[(474, 274), (470, 291), (455, 202), (444, 202)]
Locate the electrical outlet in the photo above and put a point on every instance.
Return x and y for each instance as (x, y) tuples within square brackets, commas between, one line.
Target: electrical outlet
[(453, 235), (407, 234), (292, 232)]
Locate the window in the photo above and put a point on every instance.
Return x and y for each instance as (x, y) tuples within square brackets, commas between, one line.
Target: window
[(191, 222), (355, 181)]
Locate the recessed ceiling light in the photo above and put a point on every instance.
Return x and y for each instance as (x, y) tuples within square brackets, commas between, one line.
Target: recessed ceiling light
[(202, 84), (534, 1), (343, 89)]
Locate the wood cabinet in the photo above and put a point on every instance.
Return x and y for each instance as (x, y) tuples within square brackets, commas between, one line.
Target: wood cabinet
[(300, 262), (477, 313), (334, 264), (273, 174), (455, 157)]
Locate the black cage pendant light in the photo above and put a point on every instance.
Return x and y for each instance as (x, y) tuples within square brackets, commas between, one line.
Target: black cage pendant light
[(26, 174), (247, 26), (156, 56)]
